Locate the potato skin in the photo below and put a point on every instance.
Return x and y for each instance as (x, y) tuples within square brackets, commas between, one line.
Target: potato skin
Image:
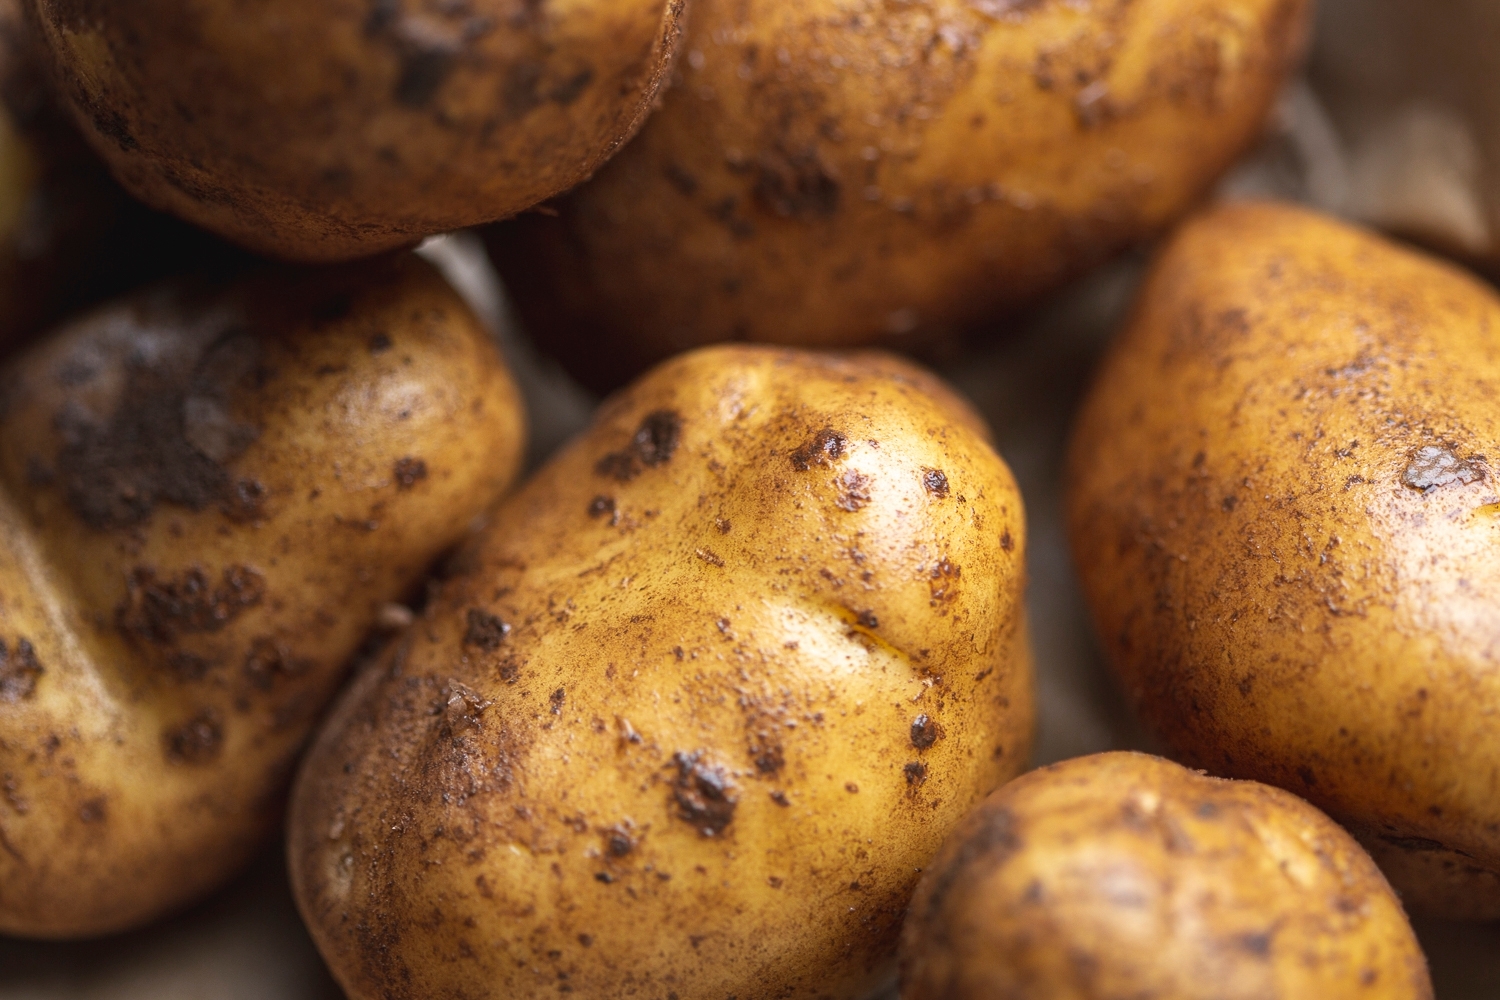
[(1125, 875), (69, 235), (1283, 507), (835, 173), (206, 494), (692, 711), (327, 131)]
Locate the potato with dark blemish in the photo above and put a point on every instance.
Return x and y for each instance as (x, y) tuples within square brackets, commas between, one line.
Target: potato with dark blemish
[(328, 131), (1285, 508), (842, 172), (207, 494), (688, 721), (1124, 875)]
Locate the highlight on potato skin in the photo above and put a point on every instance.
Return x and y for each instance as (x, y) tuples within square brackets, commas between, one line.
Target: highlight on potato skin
[(207, 493), (836, 173), (692, 711), (1283, 506), (323, 132), (1125, 875)]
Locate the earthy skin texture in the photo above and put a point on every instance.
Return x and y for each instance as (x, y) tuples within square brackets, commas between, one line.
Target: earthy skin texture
[(845, 172), (692, 713), (1123, 875), (325, 131), (206, 496), (69, 235), (1284, 508)]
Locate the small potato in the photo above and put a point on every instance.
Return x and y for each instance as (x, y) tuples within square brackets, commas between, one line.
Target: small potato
[(1283, 504), (325, 131), (1123, 875), (844, 172), (69, 235), (207, 494), (693, 711)]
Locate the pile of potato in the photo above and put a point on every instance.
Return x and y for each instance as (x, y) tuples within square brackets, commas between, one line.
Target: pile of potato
[(734, 695)]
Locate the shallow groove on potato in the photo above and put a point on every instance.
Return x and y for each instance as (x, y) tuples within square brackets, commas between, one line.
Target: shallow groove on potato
[(690, 714), (207, 493)]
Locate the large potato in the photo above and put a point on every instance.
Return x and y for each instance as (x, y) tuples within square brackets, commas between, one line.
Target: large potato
[(1285, 512), (69, 235), (206, 496), (1123, 875), (324, 131), (692, 713), (840, 172)]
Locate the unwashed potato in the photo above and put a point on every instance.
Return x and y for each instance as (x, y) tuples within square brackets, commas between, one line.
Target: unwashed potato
[(844, 172), (693, 711), (69, 235), (1284, 508), (325, 131), (207, 494), (1123, 875)]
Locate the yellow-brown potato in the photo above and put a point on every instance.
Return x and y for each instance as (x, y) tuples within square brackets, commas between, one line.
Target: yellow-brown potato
[(69, 235), (844, 172), (1284, 508), (1124, 875), (325, 131), (207, 494), (692, 712)]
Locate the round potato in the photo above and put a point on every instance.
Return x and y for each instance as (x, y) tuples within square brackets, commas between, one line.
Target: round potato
[(690, 715), (1284, 508), (207, 495), (69, 235), (1124, 875), (844, 172), (323, 131)]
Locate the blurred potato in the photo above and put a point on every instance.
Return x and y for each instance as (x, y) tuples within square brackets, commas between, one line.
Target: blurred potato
[(1123, 875), (328, 131), (834, 173), (208, 494), (692, 712), (1283, 505)]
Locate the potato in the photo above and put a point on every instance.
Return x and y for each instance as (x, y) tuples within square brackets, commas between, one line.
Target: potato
[(322, 131), (69, 235), (1284, 508), (1124, 875), (207, 495), (844, 172), (693, 711)]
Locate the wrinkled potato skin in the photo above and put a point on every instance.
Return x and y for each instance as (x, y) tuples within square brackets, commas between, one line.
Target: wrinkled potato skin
[(722, 603), (384, 121), (1278, 596), (192, 596), (844, 172), (69, 235), (1124, 875)]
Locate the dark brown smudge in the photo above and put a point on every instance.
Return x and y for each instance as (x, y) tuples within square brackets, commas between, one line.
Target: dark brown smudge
[(197, 741), (409, 471), (704, 794), (18, 671), (823, 448), (652, 445), (158, 611), (485, 631), (925, 732)]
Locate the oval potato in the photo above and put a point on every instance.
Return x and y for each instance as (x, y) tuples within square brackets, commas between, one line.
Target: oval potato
[(842, 172), (1124, 875), (692, 712), (326, 131), (207, 494), (1283, 504)]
